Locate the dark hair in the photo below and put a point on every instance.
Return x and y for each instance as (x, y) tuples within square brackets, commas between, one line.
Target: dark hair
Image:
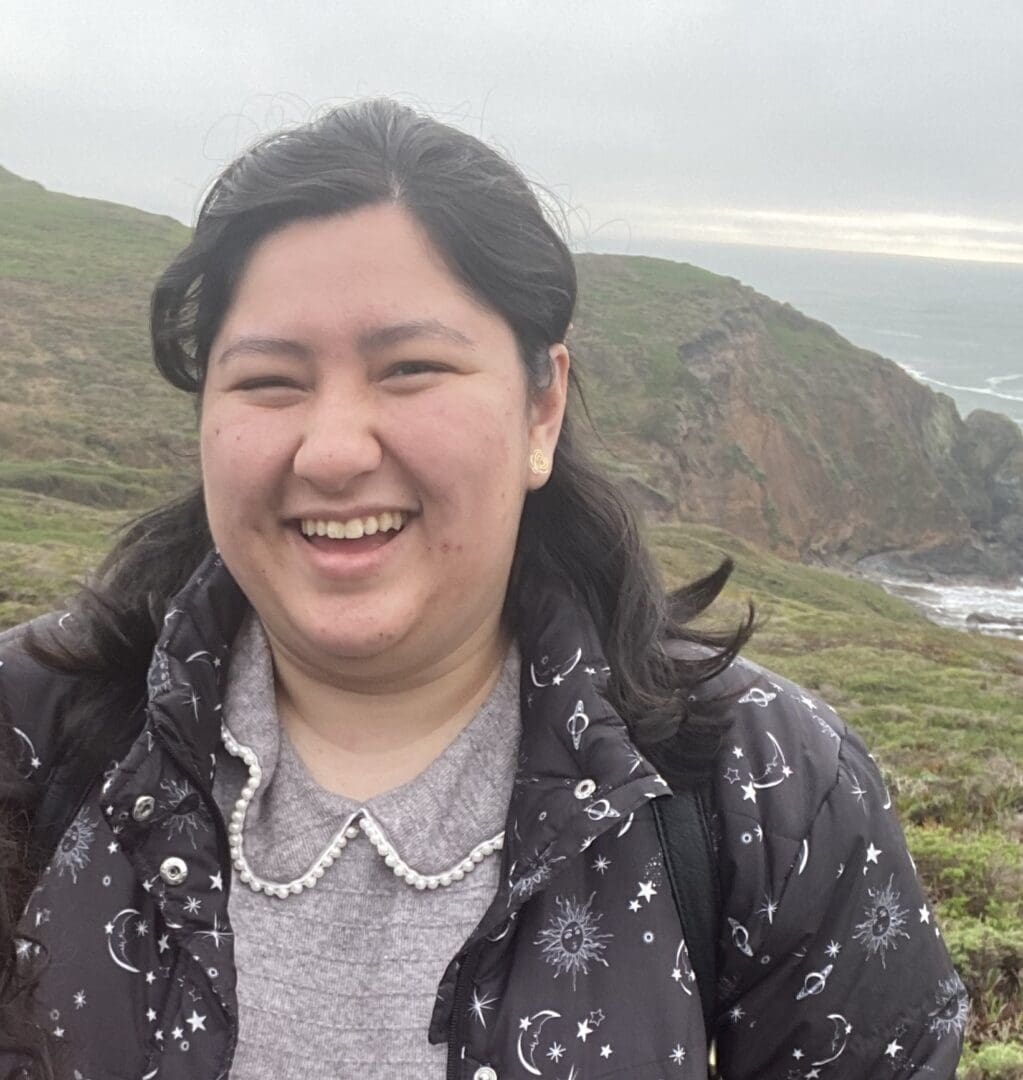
[(489, 226)]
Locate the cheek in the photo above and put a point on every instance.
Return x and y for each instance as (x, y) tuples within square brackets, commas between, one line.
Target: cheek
[(478, 437), (235, 458)]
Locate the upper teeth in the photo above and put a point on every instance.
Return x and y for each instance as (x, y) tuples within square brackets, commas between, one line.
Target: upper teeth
[(353, 528)]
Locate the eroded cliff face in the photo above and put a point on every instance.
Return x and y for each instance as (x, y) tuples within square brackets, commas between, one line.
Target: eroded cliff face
[(784, 433)]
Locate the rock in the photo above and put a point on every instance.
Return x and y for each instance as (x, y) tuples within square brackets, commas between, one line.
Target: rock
[(985, 618)]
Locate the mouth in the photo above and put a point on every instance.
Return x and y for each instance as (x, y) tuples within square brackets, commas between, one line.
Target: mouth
[(352, 536)]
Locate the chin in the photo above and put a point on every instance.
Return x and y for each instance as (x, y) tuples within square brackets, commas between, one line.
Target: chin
[(339, 638)]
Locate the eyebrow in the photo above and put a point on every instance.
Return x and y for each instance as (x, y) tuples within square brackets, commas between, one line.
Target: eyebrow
[(381, 337)]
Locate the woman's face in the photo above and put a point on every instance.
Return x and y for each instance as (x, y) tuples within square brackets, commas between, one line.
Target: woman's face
[(354, 379)]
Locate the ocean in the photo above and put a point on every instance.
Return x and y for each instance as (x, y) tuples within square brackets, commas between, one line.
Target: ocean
[(955, 326)]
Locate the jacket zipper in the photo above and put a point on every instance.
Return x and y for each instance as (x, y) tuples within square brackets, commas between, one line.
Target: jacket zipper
[(458, 1010)]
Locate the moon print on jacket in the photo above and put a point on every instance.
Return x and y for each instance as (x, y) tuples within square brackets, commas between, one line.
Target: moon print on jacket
[(884, 921), (683, 972), (775, 772), (533, 1025), (126, 928), (72, 852), (548, 674), (27, 758), (571, 939), (839, 1039)]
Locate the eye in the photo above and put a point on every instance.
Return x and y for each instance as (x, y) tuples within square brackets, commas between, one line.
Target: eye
[(415, 367), (274, 382)]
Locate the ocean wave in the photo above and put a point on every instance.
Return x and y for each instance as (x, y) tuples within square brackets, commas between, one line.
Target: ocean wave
[(896, 333), (984, 391), (997, 380), (952, 605), (909, 370)]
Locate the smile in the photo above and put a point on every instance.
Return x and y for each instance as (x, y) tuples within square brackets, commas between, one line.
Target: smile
[(355, 528)]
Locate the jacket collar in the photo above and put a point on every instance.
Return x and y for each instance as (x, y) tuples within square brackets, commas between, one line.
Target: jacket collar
[(578, 772)]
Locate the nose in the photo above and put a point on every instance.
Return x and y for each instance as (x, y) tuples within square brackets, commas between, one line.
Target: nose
[(339, 441)]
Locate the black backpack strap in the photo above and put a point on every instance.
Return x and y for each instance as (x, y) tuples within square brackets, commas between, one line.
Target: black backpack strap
[(684, 832)]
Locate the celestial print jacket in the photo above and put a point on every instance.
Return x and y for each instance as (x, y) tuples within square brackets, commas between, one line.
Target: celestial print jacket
[(830, 964)]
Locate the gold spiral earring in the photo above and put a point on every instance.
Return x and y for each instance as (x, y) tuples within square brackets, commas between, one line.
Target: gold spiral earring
[(539, 463)]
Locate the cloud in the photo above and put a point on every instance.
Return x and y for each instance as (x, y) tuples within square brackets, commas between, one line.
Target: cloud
[(931, 235)]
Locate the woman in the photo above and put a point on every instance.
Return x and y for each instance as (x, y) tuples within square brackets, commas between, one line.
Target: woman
[(370, 785)]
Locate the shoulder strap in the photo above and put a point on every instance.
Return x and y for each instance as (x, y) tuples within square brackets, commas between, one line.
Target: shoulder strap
[(684, 833)]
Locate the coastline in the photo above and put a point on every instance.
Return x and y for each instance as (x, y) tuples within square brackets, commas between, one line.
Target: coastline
[(970, 605)]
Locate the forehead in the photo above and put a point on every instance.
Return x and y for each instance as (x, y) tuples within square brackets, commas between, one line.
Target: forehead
[(368, 266)]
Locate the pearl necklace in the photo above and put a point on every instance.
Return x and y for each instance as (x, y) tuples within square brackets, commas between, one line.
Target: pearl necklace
[(360, 820)]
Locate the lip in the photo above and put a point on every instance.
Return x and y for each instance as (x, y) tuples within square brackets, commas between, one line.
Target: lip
[(341, 565)]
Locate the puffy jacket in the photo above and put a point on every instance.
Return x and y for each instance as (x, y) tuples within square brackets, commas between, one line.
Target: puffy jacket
[(830, 963)]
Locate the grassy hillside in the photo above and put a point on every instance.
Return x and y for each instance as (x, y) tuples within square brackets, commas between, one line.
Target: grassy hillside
[(77, 387)]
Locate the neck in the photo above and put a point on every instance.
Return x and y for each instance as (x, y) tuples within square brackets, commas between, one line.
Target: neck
[(362, 739)]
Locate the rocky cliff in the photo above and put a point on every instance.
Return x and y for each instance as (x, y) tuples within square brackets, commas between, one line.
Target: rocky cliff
[(732, 409)]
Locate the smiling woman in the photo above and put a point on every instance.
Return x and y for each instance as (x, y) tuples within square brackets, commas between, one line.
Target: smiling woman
[(364, 750)]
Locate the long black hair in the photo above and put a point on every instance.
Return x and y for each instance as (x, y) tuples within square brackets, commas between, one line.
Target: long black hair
[(489, 225)]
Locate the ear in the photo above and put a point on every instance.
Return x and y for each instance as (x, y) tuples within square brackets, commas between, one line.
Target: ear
[(547, 410)]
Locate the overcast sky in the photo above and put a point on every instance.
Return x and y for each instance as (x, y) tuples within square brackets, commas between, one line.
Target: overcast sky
[(878, 125)]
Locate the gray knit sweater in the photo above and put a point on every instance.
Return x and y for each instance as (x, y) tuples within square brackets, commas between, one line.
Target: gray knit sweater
[(339, 981)]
